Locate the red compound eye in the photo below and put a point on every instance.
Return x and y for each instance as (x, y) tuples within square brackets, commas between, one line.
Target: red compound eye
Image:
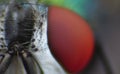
[(70, 39)]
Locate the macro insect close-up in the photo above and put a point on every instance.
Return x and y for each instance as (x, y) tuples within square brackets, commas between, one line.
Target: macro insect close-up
[(36, 38), (23, 39), (59, 37)]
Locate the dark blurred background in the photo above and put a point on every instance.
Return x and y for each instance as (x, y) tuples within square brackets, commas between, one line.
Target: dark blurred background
[(106, 25)]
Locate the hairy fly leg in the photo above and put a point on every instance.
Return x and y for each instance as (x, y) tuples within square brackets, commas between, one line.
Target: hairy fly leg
[(5, 62), (29, 63)]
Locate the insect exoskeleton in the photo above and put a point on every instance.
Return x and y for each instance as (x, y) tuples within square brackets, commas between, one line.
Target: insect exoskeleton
[(23, 35)]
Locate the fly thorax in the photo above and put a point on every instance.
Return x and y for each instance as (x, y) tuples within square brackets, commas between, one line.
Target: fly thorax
[(19, 26)]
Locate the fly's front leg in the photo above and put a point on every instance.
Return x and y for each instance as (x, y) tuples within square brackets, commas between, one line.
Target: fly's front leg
[(5, 62), (30, 65)]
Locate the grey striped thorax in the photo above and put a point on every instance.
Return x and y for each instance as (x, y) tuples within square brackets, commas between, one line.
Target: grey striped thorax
[(23, 40)]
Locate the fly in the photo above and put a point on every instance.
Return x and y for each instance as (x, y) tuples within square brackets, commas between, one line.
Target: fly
[(24, 40)]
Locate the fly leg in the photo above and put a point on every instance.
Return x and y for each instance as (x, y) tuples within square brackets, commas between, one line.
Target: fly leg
[(5, 62), (29, 63)]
